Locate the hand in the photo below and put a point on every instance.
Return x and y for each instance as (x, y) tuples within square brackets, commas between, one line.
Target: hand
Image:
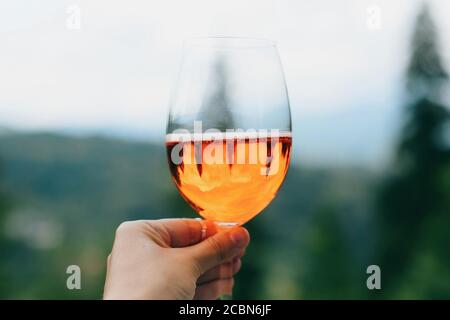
[(173, 259)]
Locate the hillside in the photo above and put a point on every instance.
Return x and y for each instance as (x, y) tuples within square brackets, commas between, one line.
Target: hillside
[(68, 195)]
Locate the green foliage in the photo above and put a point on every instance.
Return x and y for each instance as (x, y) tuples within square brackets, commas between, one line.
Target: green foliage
[(249, 280), (413, 201), (330, 271), (3, 244)]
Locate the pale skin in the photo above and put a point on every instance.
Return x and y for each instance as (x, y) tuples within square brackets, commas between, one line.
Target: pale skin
[(173, 259)]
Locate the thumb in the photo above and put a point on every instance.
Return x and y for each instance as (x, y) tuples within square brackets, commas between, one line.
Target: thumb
[(219, 248)]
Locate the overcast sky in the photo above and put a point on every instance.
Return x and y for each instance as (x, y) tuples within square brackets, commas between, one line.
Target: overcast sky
[(116, 71)]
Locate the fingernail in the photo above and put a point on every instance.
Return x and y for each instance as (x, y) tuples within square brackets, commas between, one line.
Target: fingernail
[(239, 237)]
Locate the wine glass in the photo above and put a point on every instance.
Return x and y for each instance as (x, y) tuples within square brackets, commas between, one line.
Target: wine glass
[(229, 129)]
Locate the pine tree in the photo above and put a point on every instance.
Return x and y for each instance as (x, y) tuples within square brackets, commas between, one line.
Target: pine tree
[(414, 194), (3, 242)]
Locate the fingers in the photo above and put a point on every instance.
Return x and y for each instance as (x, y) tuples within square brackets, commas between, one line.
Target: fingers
[(223, 271), (214, 289), (185, 232), (219, 248)]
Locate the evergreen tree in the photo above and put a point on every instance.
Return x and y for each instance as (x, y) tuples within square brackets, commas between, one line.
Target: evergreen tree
[(3, 244), (413, 195)]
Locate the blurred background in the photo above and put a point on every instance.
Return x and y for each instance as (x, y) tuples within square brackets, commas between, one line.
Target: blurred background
[(84, 89)]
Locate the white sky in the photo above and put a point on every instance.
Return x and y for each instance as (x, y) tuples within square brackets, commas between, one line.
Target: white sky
[(117, 70)]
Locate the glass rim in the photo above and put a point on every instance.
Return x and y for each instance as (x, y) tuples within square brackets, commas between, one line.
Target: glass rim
[(229, 42)]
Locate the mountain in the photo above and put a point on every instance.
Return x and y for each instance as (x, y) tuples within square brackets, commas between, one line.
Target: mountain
[(69, 194)]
